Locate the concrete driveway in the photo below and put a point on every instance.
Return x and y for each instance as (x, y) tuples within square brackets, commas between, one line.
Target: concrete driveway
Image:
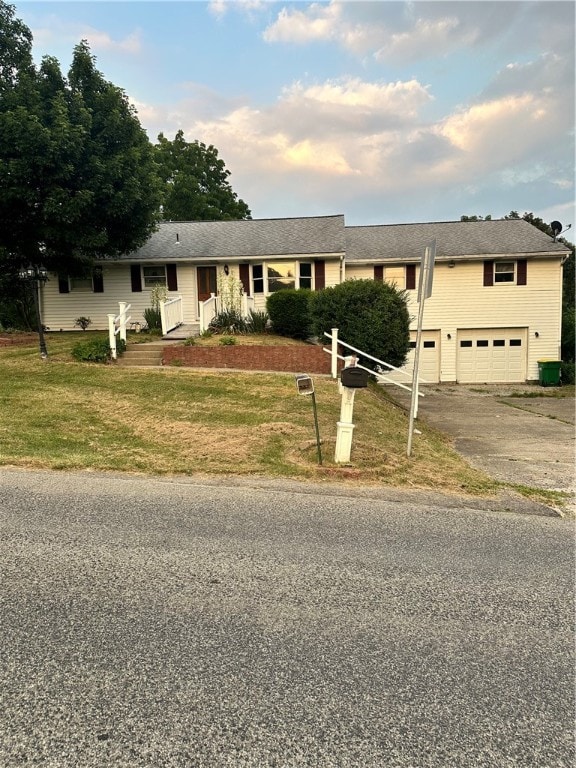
[(527, 440)]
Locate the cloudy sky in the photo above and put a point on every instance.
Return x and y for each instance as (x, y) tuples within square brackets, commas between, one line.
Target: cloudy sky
[(387, 112)]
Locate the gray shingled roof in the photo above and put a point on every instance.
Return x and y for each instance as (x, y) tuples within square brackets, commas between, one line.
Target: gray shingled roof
[(454, 240), (205, 240)]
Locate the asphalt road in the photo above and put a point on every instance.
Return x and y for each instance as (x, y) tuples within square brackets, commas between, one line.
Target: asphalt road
[(184, 623)]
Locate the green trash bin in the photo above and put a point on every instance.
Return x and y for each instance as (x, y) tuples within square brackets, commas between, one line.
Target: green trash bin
[(549, 373)]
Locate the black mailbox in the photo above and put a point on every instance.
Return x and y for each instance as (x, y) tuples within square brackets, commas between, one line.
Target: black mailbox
[(353, 377)]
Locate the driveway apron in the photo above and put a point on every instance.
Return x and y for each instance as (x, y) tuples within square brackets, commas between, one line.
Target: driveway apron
[(522, 440)]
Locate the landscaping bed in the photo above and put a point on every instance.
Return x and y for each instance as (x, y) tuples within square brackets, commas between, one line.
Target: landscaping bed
[(17, 339)]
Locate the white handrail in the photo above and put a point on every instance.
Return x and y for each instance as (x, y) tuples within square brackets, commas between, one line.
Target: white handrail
[(333, 351), (171, 315), (117, 325), (204, 306)]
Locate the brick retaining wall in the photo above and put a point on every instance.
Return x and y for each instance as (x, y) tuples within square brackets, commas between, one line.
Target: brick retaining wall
[(304, 359)]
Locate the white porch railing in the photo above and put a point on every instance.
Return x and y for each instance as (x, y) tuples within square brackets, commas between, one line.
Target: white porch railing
[(207, 310), (247, 304), (117, 325), (381, 377), (171, 315)]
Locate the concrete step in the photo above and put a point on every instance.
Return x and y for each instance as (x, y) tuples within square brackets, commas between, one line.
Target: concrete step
[(142, 354), (183, 331)]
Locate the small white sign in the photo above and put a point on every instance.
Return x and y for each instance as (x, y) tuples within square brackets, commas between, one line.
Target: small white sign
[(304, 384)]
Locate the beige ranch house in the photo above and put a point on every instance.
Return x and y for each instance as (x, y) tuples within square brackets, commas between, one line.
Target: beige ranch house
[(494, 312)]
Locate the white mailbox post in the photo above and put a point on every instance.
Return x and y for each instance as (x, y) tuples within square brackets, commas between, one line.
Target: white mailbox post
[(353, 377)]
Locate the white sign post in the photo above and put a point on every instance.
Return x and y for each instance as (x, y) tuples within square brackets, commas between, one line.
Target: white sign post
[(305, 386), (424, 292)]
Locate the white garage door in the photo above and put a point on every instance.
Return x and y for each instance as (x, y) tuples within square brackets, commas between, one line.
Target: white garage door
[(429, 362), (491, 355)]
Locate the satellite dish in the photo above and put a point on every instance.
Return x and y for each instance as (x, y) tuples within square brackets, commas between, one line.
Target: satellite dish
[(556, 228)]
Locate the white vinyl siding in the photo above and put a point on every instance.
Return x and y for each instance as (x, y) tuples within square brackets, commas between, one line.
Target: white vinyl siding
[(429, 361), (459, 301), (331, 272), (359, 272), (395, 276), (60, 310)]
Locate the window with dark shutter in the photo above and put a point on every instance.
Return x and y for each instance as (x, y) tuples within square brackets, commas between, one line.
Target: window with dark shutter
[(171, 277), (63, 284), (258, 277), (98, 280), (379, 272), (319, 275), (244, 270), (521, 272), (136, 278), (410, 277), (488, 273)]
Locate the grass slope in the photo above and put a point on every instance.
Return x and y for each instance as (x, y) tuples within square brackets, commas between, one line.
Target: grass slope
[(62, 414)]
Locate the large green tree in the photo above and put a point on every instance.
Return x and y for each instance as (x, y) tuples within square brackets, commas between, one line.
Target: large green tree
[(195, 182), (77, 174)]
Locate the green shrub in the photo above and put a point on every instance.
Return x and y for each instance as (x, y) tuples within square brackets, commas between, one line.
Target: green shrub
[(120, 346), (567, 372), (92, 351), (289, 311), (370, 315), (229, 321), (206, 334), (83, 322), (227, 341), (257, 322), (153, 319), (190, 341)]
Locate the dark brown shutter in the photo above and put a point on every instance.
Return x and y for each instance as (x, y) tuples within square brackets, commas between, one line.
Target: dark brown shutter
[(98, 280), (488, 273), (63, 284), (136, 278), (171, 277), (410, 277), (379, 272), (319, 275), (521, 272), (245, 278)]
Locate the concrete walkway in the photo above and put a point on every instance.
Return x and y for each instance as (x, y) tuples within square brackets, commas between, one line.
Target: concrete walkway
[(522, 440)]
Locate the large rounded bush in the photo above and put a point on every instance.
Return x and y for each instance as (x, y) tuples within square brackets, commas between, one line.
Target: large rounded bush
[(289, 312), (370, 315)]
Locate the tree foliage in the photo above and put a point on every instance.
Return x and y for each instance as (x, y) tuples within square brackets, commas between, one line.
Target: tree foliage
[(77, 174), (370, 315), (195, 182)]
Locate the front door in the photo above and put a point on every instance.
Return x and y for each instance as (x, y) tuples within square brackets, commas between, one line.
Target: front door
[(206, 282)]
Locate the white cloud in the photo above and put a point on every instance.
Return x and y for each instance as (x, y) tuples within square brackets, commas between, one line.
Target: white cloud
[(317, 22), (427, 37), (220, 8), (340, 139), (58, 32), (374, 28)]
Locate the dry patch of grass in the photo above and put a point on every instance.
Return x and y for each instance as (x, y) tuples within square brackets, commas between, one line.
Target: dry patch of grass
[(68, 415)]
